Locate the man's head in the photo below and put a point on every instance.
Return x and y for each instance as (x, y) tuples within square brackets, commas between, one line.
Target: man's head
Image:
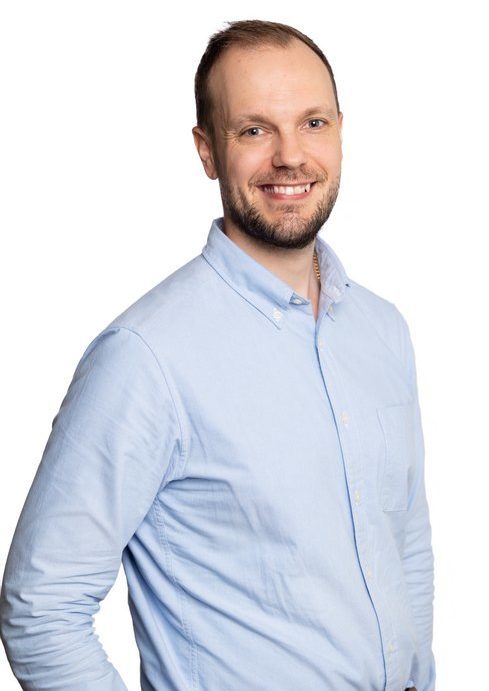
[(268, 115)]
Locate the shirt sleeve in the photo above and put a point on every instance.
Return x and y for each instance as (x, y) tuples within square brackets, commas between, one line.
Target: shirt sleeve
[(418, 560), (111, 448)]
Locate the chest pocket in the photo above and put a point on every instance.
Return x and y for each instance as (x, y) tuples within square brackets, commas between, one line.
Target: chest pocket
[(397, 422)]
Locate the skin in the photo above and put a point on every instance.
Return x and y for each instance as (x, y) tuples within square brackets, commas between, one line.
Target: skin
[(285, 145)]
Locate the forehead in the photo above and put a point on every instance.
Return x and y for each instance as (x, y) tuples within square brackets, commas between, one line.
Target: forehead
[(280, 80)]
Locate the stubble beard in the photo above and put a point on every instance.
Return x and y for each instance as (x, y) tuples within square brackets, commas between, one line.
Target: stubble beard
[(291, 231)]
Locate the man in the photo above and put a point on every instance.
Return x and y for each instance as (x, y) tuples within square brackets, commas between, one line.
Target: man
[(246, 437)]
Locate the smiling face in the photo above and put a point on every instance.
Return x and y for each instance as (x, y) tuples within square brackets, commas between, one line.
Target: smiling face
[(277, 129)]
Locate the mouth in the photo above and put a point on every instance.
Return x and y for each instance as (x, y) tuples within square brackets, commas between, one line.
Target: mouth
[(297, 191)]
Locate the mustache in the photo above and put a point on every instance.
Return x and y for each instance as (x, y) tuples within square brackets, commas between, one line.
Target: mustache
[(271, 180)]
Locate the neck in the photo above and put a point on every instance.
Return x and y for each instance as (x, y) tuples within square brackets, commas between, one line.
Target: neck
[(293, 266)]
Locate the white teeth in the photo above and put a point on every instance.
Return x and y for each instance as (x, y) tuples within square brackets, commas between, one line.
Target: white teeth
[(298, 189)]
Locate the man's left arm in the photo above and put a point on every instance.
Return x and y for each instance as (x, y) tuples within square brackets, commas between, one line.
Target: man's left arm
[(417, 557)]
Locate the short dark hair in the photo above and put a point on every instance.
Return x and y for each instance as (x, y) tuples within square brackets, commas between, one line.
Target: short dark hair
[(247, 32)]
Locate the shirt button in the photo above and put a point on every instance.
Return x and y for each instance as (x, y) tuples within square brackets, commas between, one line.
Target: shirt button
[(345, 418), (357, 496), (277, 314), (391, 647), (368, 571), (321, 343)]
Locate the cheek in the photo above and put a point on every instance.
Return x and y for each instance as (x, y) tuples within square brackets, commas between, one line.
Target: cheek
[(245, 164), (329, 166), (326, 155), (334, 156)]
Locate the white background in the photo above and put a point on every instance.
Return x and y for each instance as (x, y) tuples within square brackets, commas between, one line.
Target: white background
[(103, 195)]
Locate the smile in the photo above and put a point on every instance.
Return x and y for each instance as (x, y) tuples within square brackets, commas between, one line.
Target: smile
[(287, 191)]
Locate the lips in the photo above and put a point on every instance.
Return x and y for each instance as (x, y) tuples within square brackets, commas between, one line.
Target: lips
[(300, 183), (298, 190)]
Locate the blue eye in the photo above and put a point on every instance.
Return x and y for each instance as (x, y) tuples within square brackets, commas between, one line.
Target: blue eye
[(250, 129), (253, 132), (317, 120)]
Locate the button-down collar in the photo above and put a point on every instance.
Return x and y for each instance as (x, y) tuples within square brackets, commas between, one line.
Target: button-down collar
[(261, 287)]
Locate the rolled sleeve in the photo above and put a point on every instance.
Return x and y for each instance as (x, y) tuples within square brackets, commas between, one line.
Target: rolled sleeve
[(112, 446)]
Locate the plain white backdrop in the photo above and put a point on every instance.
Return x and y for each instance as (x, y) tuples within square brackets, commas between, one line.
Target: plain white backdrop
[(103, 195)]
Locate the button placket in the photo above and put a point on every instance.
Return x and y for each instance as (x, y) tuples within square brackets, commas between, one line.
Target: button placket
[(351, 447), (354, 465)]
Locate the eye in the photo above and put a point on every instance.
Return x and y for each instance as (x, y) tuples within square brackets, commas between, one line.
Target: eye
[(318, 120), (250, 129)]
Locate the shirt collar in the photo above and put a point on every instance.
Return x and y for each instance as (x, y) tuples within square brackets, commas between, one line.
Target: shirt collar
[(262, 288)]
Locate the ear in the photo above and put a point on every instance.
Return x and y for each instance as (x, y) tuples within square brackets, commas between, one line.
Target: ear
[(340, 123), (204, 149)]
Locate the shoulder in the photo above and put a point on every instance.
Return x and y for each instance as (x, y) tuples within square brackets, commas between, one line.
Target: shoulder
[(376, 305), (131, 339), (384, 316), (166, 304)]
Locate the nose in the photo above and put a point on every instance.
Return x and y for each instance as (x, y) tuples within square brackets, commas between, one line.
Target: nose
[(288, 151)]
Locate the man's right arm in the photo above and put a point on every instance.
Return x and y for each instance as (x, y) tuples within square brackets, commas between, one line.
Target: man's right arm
[(112, 446)]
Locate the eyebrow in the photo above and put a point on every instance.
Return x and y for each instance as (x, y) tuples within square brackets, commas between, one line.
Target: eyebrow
[(260, 117)]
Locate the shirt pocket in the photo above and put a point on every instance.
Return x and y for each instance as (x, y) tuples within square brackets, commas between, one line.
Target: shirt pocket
[(397, 423)]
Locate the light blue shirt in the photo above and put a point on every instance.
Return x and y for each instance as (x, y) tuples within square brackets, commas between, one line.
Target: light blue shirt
[(259, 474)]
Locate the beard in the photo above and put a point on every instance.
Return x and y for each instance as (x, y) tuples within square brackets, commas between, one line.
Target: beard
[(291, 231)]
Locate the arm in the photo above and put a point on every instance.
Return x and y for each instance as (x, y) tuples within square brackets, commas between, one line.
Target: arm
[(418, 561), (110, 449)]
